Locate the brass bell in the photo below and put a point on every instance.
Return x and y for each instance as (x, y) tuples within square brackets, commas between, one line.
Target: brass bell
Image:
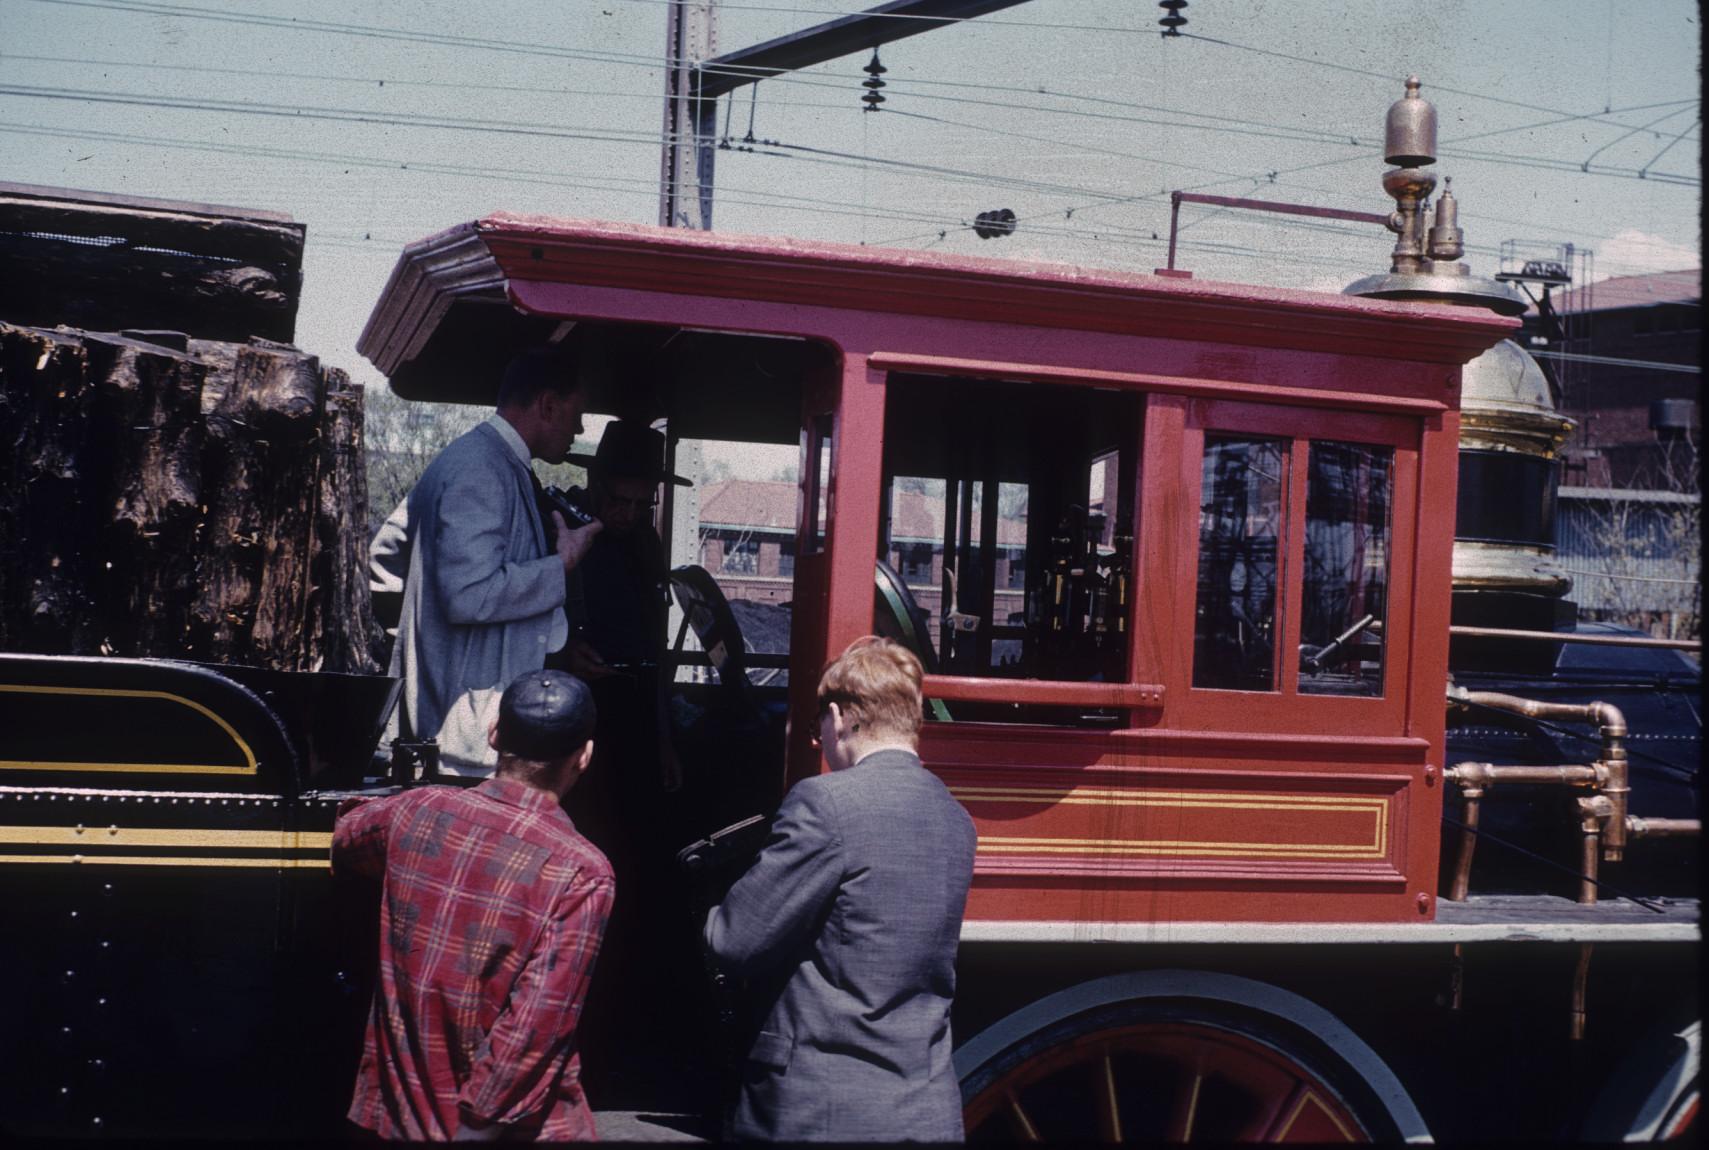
[(1409, 140)]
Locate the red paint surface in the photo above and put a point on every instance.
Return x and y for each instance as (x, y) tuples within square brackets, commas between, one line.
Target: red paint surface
[(1281, 806)]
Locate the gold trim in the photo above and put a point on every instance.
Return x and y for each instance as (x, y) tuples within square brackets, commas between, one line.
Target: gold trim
[(1104, 796), (97, 837), (1131, 846), (165, 860), (139, 768), (1183, 800)]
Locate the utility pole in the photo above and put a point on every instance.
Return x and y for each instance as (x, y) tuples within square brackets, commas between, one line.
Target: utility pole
[(695, 79), (691, 121)]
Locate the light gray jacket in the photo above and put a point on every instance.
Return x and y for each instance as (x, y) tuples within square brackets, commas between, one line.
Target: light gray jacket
[(483, 597), (857, 902)]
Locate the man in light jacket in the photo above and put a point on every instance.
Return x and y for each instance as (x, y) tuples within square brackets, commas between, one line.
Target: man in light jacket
[(855, 906), (483, 597)]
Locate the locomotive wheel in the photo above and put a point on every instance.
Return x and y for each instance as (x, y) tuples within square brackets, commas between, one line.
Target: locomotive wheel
[(1656, 1095), (1179, 1056)]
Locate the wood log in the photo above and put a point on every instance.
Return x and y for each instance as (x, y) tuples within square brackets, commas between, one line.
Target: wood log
[(263, 468), (45, 399), (203, 503), (148, 431), (114, 262), (347, 638)]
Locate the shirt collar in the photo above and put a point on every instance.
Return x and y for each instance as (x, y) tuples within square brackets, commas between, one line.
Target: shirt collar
[(509, 434), (515, 793)]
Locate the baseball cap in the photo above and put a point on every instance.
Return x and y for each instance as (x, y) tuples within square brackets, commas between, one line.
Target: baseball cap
[(545, 715)]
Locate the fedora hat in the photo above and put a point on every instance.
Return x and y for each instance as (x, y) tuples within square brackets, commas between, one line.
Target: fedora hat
[(630, 450)]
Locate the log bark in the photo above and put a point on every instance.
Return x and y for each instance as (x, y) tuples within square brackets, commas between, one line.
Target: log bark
[(203, 503)]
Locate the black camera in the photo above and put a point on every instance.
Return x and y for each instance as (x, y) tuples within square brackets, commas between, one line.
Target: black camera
[(557, 499)]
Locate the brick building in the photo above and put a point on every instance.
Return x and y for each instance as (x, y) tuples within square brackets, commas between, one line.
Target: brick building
[(1629, 510)]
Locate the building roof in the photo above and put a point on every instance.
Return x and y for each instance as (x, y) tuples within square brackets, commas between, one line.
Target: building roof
[(749, 503), (1684, 286), (769, 505)]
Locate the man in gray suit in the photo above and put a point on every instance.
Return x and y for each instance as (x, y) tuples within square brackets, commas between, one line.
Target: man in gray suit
[(483, 591), (855, 906)]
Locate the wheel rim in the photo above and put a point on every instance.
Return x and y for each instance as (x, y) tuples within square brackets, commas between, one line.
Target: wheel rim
[(1171, 1080)]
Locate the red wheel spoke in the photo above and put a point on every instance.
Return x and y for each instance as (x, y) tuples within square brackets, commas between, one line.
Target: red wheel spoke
[(1277, 1118), (1024, 1128), (1109, 1115), (1186, 1109)]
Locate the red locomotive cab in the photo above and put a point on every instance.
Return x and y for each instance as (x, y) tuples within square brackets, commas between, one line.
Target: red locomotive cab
[(1175, 554)]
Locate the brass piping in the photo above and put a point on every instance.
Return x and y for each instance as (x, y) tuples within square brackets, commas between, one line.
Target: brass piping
[(1594, 812), (1581, 981), (1645, 828), (1611, 766), (1470, 796), (1488, 774)]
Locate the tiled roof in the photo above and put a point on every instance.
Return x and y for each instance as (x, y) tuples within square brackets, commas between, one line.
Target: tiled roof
[(763, 505), (1684, 286)]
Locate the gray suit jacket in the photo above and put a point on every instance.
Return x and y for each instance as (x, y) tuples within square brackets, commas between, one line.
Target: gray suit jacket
[(855, 904), (483, 598)]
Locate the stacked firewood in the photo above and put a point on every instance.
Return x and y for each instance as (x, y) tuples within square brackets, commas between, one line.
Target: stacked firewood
[(173, 496)]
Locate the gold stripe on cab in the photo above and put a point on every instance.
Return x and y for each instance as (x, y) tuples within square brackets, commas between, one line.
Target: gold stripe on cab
[(248, 767)]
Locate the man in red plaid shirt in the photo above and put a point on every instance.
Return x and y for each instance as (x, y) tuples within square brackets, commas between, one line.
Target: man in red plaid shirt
[(491, 915)]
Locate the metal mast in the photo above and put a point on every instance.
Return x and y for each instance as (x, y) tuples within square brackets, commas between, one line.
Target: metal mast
[(694, 79)]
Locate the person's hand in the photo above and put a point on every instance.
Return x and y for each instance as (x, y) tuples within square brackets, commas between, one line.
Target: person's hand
[(670, 767), (573, 545), (585, 662)]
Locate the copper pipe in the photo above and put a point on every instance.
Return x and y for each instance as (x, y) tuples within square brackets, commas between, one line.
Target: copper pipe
[(1611, 726), (1593, 813), (1470, 796), (1647, 828), (1581, 980), (1488, 774)]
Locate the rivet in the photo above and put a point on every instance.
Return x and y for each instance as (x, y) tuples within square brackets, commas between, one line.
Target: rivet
[(106, 888), (79, 828), (73, 914), (114, 829), (76, 858), (64, 1090), (97, 1064), (65, 1030), (1423, 901), (1429, 774), (94, 1121), (100, 1002), (105, 944)]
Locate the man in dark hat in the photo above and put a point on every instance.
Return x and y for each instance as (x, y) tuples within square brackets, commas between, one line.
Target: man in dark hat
[(618, 603), (619, 594), (492, 913)]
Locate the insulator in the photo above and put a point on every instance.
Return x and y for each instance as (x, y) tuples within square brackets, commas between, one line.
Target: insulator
[(1409, 141), (1173, 21), (872, 84), (1000, 222)]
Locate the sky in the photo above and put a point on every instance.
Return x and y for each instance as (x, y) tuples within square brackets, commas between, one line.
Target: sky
[(378, 122)]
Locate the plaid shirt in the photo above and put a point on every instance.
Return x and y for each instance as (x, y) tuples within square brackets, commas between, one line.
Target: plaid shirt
[(491, 916)]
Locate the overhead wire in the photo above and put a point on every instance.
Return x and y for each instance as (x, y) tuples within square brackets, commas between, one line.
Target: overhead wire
[(1105, 199)]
